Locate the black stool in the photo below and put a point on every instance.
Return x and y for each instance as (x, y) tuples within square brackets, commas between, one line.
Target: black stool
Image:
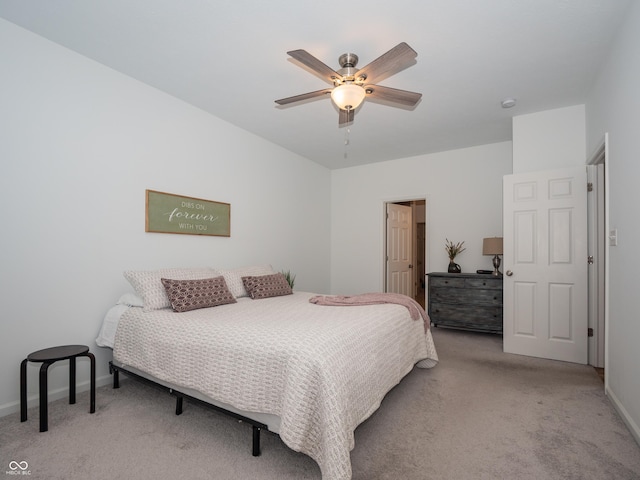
[(49, 356)]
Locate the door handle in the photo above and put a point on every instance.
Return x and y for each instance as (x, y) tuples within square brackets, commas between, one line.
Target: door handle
[(508, 273)]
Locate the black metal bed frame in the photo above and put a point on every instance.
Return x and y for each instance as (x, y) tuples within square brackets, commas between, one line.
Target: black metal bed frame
[(180, 396)]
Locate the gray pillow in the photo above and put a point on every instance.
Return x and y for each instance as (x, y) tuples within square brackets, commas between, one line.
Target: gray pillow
[(186, 295), (265, 286)]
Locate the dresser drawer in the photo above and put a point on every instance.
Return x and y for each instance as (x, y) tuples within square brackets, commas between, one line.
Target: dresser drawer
[(489, 282), (467, 316), (476, 296), (446, 282)]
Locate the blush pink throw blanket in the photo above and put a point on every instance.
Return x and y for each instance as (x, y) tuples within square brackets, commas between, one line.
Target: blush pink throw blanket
[(415, 309)]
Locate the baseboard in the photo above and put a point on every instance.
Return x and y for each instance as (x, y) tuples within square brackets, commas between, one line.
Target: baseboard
[(33, 400), (626, 418)]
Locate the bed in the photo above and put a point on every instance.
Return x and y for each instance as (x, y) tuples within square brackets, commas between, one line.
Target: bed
[(310, 373)]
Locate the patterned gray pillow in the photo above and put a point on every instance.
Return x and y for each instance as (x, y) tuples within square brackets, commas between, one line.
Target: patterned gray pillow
[(265, 286), (234, 276), (186, 295)]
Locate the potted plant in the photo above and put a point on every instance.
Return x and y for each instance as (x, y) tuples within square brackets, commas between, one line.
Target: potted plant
[(291, 278), (453, 250)]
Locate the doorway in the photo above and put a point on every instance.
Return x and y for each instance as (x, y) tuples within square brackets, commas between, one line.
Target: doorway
[(405, 248)]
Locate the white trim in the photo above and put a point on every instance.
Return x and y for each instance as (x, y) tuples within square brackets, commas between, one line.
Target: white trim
[(626, 418), (607, 251), (53, 395)]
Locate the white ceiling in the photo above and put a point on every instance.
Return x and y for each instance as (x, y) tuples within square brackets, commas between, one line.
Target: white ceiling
[(228, 57)]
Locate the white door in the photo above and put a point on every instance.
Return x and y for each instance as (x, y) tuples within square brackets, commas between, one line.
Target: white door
[(545, 264), (399, 249), (596, 250)]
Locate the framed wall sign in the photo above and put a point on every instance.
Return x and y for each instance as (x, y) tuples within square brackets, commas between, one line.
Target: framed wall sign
[(169, 213)]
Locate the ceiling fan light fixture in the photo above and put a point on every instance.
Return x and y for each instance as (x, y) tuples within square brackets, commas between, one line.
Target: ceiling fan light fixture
[(348, 96)]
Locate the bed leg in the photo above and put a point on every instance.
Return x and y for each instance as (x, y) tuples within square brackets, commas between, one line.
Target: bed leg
[(116, 375), (256, 441), (179, 404)]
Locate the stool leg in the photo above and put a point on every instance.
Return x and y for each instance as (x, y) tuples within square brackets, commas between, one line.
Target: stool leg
[(92, 407), (23, 391), (72, 380), (44, 420)]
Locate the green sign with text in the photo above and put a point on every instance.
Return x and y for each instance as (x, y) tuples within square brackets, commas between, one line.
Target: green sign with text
[(169, 213)]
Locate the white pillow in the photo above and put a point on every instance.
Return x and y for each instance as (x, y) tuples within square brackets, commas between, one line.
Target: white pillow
[(234, 276), (130, 300), (148, 285)]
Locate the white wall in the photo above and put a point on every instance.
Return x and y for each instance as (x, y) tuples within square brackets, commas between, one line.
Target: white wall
[(549, 140), (463, 191), (79, 145), (614, 107)]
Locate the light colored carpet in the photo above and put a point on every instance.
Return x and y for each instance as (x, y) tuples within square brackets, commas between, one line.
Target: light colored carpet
[(480, 414)]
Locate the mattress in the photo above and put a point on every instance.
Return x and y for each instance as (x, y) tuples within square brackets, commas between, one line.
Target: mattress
[(320, 370)]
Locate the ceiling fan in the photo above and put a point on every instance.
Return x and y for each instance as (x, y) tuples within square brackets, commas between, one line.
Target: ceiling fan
[(351, 86)]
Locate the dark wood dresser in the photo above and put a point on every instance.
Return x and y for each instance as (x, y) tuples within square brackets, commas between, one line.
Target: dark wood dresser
[(470, 301)]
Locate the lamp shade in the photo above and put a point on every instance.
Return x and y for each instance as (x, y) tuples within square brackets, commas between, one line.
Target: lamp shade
[(492, 246), (348, 96)]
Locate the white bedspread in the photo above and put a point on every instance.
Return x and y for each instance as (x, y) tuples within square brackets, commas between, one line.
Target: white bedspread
[(322, 369)]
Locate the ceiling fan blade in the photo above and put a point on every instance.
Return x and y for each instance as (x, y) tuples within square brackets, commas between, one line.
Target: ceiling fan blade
[(399, 57), (345, 117), (387, 94), (314, 64), (304, 96)]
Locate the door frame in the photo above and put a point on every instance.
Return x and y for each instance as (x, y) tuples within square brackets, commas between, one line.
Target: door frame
[(599, 277)]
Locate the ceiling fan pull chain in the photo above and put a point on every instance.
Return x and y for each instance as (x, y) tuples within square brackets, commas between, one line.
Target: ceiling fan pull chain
[(346, 140)]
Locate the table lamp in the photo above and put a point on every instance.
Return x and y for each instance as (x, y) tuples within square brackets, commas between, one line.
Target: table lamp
[(493, 246)]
